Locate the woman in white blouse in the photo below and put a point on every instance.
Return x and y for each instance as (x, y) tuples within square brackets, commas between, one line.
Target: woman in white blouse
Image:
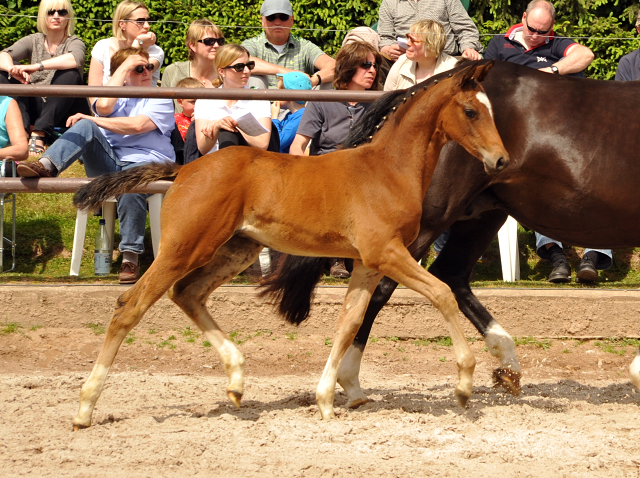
[(424, 57), (215, 120), (130, 27)]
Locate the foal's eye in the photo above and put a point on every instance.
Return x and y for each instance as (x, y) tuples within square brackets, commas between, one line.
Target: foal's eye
[(470, 113)]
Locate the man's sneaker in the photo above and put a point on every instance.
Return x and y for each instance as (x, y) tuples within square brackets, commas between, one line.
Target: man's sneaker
[(561, 270), (33, 170), (339, 270), (129, 273), (587, 271)]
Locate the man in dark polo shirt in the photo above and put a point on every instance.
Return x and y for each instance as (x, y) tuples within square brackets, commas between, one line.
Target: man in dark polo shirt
[(629, 66), (533, 43)]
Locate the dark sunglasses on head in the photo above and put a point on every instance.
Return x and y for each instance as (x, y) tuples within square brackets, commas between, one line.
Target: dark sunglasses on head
[(367, 64), (139, 69), (63, 12), (282, 16), (239, 67), (212, 41), (140, 21), (533, 30)]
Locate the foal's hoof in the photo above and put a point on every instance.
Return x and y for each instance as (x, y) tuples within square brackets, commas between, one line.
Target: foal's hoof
[(77, 427), (507, 379), (462, 397), (235, 397), (358, 402)]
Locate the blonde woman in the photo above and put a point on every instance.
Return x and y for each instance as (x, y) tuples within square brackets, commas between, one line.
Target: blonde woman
[(130, 27), (424, 58), (56, 57), (216, 126)]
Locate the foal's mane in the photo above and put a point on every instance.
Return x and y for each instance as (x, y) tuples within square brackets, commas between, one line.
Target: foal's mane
[(377, 113)]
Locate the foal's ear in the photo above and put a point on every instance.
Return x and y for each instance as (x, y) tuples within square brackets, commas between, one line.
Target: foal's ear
[(475, 73)]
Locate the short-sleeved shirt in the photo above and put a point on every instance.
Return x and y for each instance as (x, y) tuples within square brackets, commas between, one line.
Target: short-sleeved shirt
[(506, 48), (629, 67), (32, 48), (287, 128), (4, 133), (102, 52), (395, 18), (299, 54), (152, 146), (218, 109), (329, 124)]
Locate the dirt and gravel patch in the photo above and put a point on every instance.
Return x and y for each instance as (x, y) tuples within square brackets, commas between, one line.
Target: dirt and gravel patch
[(164, 411)]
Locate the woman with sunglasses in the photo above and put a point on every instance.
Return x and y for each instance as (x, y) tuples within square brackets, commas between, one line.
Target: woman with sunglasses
[(124, 133), (56, 57), (215, 120), (130, 27), (326, 125), (424, 57)]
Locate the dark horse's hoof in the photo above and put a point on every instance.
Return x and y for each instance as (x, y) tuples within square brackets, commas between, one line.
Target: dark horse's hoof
[(507, 379)]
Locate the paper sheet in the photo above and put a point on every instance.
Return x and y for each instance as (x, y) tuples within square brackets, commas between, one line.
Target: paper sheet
[(250, 125)]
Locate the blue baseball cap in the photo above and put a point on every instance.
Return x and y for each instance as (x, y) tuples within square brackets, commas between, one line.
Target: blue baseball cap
[(295, 80)]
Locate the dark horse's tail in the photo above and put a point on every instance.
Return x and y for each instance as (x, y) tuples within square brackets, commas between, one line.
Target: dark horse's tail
[(91, 196), (292, 286)]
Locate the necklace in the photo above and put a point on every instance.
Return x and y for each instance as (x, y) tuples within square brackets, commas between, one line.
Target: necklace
[(51, 50)]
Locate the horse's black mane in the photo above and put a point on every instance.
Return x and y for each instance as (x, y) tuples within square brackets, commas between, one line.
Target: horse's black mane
[(377, 112)]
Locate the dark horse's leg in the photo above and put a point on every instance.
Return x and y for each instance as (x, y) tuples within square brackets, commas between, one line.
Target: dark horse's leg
[(468, 240)]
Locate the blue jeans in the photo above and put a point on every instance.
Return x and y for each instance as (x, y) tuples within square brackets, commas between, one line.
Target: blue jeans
[(605, 256), (85, 140)]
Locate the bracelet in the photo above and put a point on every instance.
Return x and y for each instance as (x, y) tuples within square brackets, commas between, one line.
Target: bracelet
[(317, 75), (41, 66)]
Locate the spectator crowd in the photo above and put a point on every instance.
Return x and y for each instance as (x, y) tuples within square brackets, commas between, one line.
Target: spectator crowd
[(414, 40)]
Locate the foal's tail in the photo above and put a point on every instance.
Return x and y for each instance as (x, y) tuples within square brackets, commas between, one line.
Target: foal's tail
[(91, 196), (292, 286)]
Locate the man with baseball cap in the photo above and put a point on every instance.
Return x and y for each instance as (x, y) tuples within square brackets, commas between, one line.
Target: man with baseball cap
[(283, 52)]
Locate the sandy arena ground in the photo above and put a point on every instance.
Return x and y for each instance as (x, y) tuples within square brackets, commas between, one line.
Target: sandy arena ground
[(164, 411)]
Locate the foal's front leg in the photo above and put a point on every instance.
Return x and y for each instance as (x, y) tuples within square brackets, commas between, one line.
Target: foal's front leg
[(400, 266), (361, 286)]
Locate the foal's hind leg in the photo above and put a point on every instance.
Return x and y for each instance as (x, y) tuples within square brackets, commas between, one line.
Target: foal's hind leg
[(398, 264), (190, 294), (130, 308), (362, 284)]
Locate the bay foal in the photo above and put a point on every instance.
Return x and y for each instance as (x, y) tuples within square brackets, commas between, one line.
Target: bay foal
[(223, 208)]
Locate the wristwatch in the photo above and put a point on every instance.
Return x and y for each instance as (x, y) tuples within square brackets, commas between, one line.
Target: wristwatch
[(140, 42), (41, 66), (555, 70)]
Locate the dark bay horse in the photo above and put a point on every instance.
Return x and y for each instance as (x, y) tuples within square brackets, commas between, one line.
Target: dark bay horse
[(223, 208), (574, 147)]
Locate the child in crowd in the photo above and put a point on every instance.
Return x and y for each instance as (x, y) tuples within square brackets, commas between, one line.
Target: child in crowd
[(288, 126), (183, 120)]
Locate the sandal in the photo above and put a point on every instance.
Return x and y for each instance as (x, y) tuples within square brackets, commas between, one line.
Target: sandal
[(36, 149)]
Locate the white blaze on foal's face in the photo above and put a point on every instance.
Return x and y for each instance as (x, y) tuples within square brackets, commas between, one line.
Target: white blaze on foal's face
[(484, 99)]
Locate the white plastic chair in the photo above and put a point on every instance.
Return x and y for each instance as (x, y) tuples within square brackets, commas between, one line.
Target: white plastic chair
[(508, 242), (109, 216)]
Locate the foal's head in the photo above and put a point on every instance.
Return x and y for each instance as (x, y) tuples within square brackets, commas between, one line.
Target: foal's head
[(467, 118)]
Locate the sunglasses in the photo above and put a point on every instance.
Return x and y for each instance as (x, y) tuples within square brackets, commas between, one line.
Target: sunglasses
[(282, 16), (367, 64), (533, 30), (212, 41), (63, 12), (140, 69), (413, 39), (140, 21), (239, 67)]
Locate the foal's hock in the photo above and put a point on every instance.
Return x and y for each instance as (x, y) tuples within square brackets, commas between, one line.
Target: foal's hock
[(225, 207)]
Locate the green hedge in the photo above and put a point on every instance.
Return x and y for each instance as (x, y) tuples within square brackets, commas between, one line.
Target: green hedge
[(325, 22)]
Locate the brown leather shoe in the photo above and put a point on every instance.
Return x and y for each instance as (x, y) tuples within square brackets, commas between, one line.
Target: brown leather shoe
[(338, 269), (129, 273), (33, 170)]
